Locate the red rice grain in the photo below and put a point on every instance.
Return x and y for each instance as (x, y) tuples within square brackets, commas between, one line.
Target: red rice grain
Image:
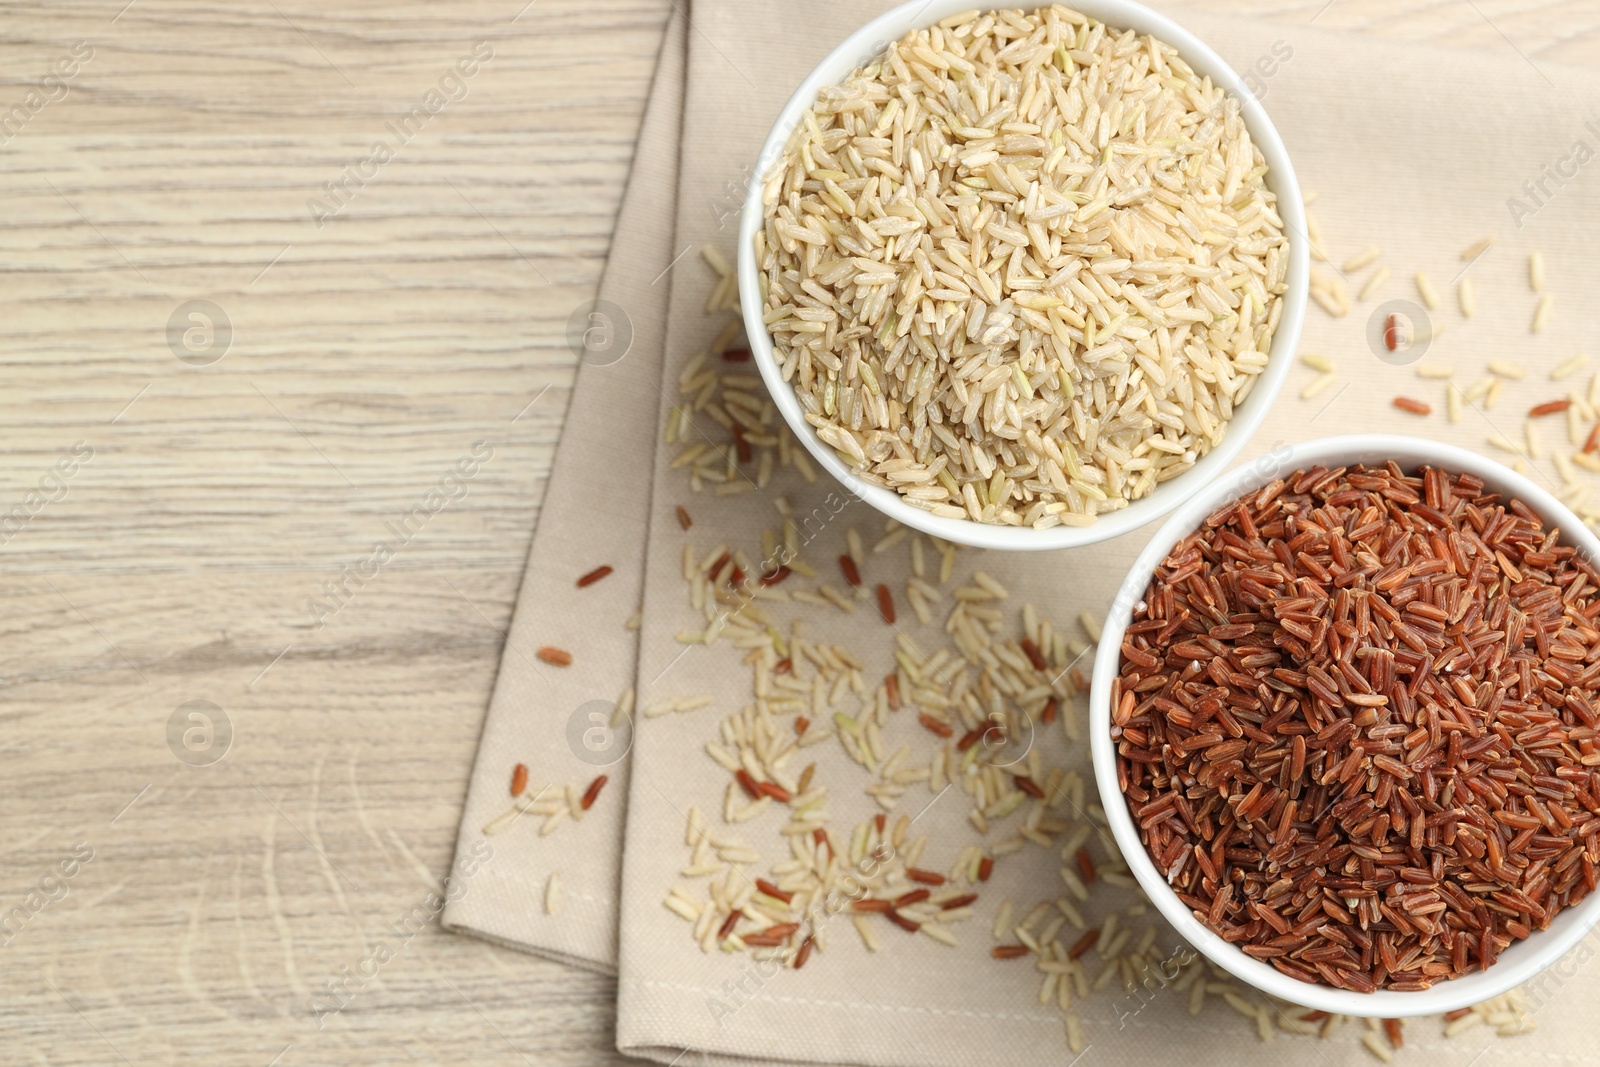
[(1549, 407), (519, 779), (592, 794), (773, 891), (761, 940), (1085, 865), (1009, 952), (556, 657), (908, 925), (886, 603), (1083, 944), (775, 791), (1391, 333), (848, 566), (593, 576), (684, 520), (1416, 407), (985, 868)]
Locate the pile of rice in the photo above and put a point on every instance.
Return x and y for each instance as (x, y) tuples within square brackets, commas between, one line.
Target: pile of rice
[(1022, 267)]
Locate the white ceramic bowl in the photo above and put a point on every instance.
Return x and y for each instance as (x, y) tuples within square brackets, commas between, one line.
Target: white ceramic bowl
[(1519, 962), (871, 39)]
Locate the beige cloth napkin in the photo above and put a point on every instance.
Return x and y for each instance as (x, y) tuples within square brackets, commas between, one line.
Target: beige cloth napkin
[(1411, 148), (558, 720)]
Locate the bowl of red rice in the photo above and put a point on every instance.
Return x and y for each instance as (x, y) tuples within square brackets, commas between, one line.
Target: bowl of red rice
[(1345, 730)]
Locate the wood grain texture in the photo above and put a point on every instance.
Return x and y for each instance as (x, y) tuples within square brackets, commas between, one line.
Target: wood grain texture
[(368, 355)]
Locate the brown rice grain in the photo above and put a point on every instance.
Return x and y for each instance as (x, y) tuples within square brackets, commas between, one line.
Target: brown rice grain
[(552, 894), (1316, 362), (1452, 402), (1002, 919), (1425, 289), (1374, 283), (1377, 1047), (858, 553), (1362, 258), (1568, 366), (1317, 385), (1541, 313)]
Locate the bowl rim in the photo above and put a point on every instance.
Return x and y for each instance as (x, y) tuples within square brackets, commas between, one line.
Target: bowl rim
[(1521, 961), (1281, 179)]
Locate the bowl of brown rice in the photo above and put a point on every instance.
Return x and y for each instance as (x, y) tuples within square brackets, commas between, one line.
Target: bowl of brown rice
[(1023, 278), (1345, 721)]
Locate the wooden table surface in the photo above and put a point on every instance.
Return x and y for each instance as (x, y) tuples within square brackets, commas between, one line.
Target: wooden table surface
[(179, 481)]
